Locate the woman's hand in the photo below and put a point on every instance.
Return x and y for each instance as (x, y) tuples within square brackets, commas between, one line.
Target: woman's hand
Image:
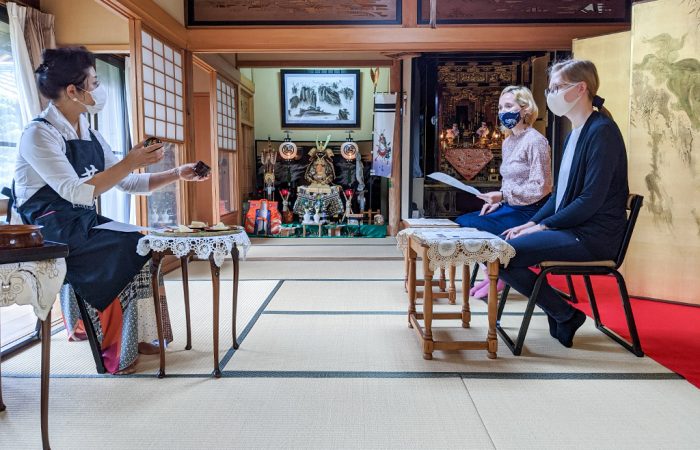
[(141, 156), (491, 197), (514, 232), (488, 208), (187, 173)]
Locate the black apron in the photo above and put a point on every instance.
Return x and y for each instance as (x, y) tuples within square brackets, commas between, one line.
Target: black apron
[(100, 262)]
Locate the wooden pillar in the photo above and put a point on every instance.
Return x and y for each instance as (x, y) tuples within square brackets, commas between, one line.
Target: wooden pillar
[(395, 180)]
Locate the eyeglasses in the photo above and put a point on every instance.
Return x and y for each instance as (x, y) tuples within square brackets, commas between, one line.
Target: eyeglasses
[(556, 88)]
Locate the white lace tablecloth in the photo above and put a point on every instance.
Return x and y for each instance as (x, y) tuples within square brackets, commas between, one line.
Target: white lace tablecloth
[(203, 246), (453, 247), (33, 283), (403, 235)]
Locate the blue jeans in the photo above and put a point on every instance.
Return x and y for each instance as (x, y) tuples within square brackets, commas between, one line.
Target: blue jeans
[(531, 249), (497, 222)]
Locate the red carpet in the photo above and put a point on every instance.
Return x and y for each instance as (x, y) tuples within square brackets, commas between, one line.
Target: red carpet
[(669, 333)]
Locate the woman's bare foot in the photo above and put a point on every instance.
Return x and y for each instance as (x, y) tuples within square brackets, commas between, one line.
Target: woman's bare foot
[(148, 349)]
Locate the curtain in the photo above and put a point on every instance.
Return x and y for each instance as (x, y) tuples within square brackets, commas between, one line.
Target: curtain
[(115, 204), (24, 72), (39, 34)]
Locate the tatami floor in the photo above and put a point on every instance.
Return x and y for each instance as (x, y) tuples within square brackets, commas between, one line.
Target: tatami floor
[(327, 361)]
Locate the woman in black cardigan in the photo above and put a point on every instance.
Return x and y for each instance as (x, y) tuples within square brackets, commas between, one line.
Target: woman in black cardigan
[(584, 219)]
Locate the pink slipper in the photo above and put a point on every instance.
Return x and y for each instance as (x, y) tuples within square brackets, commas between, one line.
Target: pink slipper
[(484, 291), (478, 286)]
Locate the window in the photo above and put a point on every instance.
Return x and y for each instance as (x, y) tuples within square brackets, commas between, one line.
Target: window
[(163, 111), (113, 124), (18, 324), (163, 108), (10, 118), (226, 115), (227, 143)]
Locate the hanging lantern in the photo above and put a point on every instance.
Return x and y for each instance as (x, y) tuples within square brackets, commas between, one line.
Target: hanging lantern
[(288, 149), (349, 149)]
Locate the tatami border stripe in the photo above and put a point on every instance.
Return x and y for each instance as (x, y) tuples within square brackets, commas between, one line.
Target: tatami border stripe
[(465, 375), (250, 325), (375, 313), (632, 376)]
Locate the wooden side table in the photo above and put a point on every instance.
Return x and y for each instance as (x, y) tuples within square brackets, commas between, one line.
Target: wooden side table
[(214, 248), (49, 251), (409, 226), (439, 250)]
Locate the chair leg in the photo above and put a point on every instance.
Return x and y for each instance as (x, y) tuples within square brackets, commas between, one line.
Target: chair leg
[(517, 347), (572, 290), (502, 302), (636, 346), (475, 272), (91, 335), (592, 300)]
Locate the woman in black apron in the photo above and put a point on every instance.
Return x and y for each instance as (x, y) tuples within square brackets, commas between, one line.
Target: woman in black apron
[(62, 167)]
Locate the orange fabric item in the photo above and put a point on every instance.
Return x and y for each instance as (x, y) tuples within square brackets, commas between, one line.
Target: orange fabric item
[(263, 217)]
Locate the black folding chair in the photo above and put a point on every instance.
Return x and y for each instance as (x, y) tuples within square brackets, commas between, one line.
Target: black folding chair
[(585, 269)]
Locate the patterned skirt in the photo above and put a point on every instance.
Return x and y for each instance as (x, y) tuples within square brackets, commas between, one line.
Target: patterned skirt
[(128, 320)]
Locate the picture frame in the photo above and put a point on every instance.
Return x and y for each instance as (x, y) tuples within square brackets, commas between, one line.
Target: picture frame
[(320, 98)]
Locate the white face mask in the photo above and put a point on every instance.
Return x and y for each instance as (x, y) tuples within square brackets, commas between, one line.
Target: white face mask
[(99, 95), (558, 104)]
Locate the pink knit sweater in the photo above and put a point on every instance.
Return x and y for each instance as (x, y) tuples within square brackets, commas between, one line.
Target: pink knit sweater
[(526, 168)]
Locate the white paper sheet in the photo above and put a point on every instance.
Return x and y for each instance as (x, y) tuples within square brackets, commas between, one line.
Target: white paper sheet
[(444, 178), (122, 227)]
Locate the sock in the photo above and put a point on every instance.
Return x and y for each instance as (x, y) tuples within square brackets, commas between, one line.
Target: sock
[(566, 330), (478, 286)]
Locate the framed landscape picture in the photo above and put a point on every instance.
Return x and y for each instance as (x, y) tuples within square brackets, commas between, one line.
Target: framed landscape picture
[(320, 98)]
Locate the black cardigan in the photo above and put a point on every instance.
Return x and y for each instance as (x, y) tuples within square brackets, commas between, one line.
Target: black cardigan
[(594, 204)]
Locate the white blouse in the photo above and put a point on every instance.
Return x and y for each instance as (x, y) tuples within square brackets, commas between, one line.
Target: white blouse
[(41, 160)]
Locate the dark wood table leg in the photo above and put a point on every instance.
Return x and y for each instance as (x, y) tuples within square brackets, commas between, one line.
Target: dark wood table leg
[(215, 272), (156, 259), (411, 255), (45, 370), (234, 304), (186, 289)]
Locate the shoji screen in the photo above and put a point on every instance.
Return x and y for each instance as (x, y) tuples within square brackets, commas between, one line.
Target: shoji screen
[(163, 117), (228, 144)]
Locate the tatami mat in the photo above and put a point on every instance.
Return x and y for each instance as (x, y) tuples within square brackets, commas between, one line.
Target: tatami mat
[(307, 270), (176, 413), (327, 361), (75, 358), (589, 414), (384, 343), (331, 242), (324, 251)]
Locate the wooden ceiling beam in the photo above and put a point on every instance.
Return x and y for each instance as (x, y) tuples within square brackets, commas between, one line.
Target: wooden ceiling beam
[(316, 63), (521, 37)]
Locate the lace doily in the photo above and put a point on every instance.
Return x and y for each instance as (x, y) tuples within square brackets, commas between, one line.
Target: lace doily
[(450, 247), (33, 283), (403, 235), (202, 246)]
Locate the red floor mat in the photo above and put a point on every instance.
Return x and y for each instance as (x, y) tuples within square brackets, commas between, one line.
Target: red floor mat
[(669, 333)]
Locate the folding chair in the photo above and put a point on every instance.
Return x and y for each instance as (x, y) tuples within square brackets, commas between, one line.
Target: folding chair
[(585, 269)]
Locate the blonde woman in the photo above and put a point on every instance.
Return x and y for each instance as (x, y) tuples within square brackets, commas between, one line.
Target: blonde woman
[(526, 172), (584, 220)]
